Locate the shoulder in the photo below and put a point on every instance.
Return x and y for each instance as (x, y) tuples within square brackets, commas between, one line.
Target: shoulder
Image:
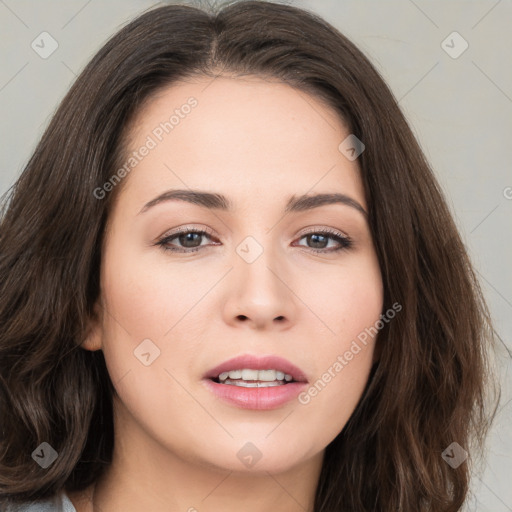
[(59, 503)]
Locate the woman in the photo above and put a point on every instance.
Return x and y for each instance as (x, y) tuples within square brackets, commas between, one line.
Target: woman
[(229, 278)]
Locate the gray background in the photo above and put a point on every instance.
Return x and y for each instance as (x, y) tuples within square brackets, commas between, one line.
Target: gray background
[(459, 108)]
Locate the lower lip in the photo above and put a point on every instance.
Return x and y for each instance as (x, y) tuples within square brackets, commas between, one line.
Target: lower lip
[(267, 398)]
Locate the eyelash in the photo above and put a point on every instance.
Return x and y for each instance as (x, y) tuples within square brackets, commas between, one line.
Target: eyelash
[(344, 241)]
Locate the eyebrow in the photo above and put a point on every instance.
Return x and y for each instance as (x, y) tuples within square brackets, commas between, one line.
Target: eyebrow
[(215, 201)]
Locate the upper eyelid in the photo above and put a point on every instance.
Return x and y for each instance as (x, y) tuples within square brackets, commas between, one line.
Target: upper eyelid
[(331, 231), (210, 233), (186, 229)]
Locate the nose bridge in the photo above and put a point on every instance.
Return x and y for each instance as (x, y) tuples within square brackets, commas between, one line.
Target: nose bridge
[(260, 293), (258, 242), (257, 263)]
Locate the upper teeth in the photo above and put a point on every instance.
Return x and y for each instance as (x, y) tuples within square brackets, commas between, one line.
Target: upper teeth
[(263, 375)]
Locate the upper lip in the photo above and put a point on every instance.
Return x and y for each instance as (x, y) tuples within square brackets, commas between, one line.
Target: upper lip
[(269, 362)]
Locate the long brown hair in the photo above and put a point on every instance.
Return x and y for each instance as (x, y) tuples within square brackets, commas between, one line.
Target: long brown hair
[(428, 388)]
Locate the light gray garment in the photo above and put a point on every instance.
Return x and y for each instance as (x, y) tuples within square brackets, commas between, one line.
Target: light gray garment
[(60, 503)]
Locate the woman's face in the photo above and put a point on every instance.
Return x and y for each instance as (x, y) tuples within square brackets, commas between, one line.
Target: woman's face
[(255, 285)]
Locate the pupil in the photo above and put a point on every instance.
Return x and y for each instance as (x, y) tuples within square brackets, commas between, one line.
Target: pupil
[(315, 237), (184, 239)]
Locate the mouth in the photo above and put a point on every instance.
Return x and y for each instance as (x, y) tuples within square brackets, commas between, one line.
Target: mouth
[(256, 372), (252, 378), (258, 383)]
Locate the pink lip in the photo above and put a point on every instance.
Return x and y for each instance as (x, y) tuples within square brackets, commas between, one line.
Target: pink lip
[(256, 398)]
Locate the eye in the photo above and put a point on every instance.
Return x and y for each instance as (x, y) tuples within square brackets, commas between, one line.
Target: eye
[(189, 238), (320, 240)]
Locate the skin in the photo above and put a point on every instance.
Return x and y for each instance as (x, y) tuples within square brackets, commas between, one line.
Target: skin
[(257, 142)]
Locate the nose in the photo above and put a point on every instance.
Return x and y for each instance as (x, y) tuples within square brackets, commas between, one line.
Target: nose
[(260, 294)]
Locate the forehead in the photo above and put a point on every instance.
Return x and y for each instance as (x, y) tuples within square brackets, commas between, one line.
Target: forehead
[(244, 137)]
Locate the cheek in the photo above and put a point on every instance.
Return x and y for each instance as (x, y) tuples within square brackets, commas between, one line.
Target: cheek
[(147, 300), (146, 314), (152, 307), (348, 298), (351, 308)]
